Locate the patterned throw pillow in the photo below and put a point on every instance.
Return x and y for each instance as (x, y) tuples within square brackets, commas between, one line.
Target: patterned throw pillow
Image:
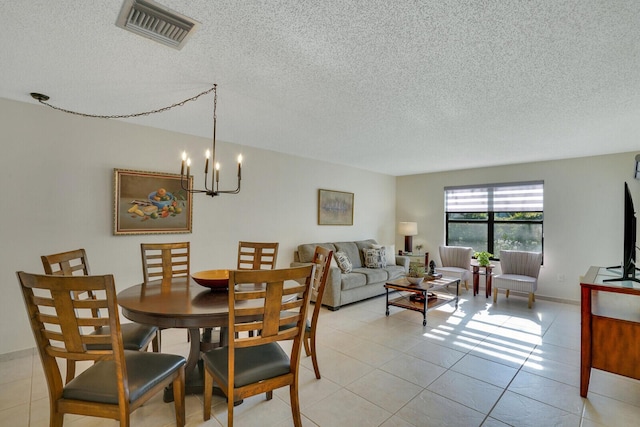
[(375, 258), (343, 262), (390, 251)]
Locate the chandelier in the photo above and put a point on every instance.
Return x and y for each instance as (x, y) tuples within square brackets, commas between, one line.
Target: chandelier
[(213, 188)]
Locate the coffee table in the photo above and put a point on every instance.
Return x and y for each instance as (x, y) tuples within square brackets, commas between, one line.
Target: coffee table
[(423, 297)]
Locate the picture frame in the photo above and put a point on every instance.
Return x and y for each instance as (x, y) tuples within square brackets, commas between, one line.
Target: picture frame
[(150, 203), (335, 207)]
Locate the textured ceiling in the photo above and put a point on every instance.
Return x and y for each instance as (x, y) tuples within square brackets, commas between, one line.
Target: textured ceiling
[(398, 87)]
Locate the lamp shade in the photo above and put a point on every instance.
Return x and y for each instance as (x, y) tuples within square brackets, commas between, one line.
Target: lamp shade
[(408, 228)]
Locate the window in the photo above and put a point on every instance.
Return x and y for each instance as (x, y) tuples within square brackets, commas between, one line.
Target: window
[(495, 217)]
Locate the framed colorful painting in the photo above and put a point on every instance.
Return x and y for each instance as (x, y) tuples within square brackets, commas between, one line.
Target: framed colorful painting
[(335, 208), (150, 203)]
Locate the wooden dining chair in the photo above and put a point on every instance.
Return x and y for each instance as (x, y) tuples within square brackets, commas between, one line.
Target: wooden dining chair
[(120, 380), (322, 260), (248, 366), (165, 260), (257, 256), (135, 336)]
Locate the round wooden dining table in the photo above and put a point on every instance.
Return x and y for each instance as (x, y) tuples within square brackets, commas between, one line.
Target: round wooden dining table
[(179, 303)]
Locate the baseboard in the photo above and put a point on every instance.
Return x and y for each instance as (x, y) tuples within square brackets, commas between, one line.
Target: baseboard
[(560, 300), (542, 297), (17, 354)]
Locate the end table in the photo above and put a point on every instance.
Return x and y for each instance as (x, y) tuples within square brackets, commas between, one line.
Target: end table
[(488, 273)]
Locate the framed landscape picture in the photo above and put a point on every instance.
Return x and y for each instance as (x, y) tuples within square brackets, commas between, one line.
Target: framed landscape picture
[(150, 203), (335, 207)]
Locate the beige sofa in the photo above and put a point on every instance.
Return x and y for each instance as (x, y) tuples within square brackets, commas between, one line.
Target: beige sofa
[(362, 282)]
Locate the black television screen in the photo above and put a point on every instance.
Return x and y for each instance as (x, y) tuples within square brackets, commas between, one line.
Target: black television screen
[(628, 266)]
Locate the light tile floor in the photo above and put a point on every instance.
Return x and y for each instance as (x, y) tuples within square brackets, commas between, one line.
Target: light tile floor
[(481, 365)]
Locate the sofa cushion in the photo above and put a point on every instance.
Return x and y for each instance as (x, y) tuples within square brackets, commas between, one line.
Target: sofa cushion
[(306, 251), (394, 271), (361, 244), (352, 251), (375, 258), (343, 262), (373, 275), (353, 280)]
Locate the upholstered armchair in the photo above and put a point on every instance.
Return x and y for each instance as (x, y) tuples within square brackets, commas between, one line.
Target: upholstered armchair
[(519, 273), (456, 262)]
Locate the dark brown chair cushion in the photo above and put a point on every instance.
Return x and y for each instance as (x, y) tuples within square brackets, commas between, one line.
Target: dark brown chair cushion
[(99, 382), (252, 364), (135, 336)]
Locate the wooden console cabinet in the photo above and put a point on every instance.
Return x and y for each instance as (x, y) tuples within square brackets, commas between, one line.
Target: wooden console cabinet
[(610, 326)]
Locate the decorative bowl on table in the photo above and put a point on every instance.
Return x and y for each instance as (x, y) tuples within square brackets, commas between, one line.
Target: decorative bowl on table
[(213, 279), (415, 280)]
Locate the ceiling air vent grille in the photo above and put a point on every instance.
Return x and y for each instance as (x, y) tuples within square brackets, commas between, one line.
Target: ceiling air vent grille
[(152, 20)]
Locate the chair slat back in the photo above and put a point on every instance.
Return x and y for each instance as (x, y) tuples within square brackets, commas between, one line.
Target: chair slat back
[(165, 260), (256, 299), (70, 263), (63, 325), (257, 256)]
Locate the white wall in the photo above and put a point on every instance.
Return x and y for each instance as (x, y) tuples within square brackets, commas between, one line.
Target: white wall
[(56, 173), (57, 180), (583, 212)]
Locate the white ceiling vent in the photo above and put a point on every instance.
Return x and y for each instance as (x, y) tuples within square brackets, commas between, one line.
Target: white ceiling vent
[(152, 20)]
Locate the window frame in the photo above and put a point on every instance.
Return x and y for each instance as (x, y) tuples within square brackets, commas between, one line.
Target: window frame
[(491, 212)]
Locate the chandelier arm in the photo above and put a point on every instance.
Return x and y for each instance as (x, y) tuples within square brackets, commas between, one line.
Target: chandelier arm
[(187, 189), (197, 191), (236, 191), (206, 186)]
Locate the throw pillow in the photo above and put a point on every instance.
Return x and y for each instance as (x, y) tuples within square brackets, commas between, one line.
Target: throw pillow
[(390, 251), (375, 258), (343, 262)]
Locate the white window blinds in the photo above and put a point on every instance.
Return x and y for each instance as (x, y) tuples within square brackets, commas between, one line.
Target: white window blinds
[(513, 197)]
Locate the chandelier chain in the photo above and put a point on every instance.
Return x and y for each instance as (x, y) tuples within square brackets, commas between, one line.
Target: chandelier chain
[(128, 116)]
